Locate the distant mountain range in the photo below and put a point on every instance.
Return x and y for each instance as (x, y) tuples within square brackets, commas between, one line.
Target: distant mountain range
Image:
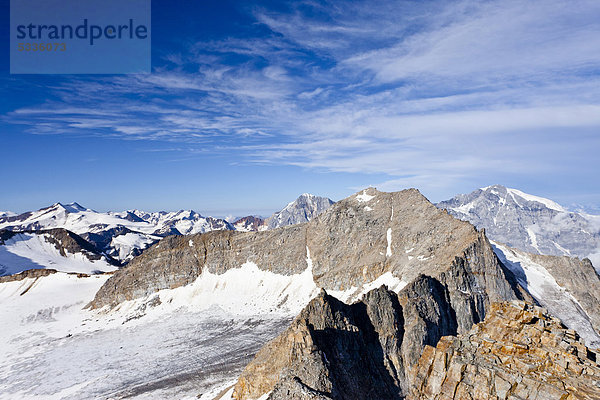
[(120, 236), (529, 223), (381, 296)]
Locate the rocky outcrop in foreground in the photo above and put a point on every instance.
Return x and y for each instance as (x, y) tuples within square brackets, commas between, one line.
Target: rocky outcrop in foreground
[(405, 346), (568, 287), (518, 352), (363, 351)]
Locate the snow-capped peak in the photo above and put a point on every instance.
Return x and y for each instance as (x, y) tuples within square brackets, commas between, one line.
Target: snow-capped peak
[(303, 209), (502, 190), (530, 223)]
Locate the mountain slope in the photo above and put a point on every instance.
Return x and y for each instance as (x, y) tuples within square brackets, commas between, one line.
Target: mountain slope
[(568, 287), (529, 223), (361, 242), (57, 248)]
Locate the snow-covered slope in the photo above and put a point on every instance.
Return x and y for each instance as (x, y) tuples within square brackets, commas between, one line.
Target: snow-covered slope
[(56, 249), (303, 209), (550, 287), (530, 223), (176, 343)]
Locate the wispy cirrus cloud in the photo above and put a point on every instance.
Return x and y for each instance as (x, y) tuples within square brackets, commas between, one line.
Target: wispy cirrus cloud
[(426, 93)]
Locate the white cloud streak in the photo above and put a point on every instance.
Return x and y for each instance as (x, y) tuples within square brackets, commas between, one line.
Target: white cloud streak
[(426, 93)]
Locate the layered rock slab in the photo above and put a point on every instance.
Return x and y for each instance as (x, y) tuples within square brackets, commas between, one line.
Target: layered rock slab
[(518, 352)]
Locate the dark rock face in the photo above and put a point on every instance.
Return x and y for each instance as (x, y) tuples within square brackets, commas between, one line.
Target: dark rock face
[(361, 351), (333, 350), (350, 245)]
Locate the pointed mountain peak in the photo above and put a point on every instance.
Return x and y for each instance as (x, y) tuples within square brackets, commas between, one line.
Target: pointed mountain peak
[(69, 207), (303, 209)]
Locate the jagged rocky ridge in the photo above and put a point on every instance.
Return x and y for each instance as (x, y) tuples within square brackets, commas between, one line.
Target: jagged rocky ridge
[(360, 351), (368, 350)]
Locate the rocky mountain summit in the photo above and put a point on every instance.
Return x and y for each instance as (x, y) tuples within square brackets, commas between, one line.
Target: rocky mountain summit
[(372, 348), (529, 223), (303, 209), (359, 243)]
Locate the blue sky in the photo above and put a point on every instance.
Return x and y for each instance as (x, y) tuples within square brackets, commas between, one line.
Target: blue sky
[(251, 104)]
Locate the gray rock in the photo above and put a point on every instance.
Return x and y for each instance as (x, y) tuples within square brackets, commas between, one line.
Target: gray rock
[(568, 287), (365, 350), (348, 246)]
